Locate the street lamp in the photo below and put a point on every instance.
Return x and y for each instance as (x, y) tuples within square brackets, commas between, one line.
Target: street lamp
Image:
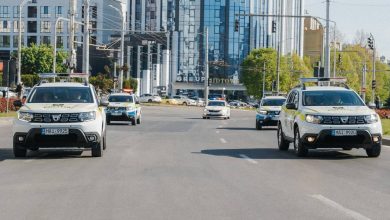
[(86, 37), (122, 47), (19, 81)]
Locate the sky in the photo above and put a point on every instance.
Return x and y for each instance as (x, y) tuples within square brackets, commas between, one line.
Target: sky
[(372, 16)]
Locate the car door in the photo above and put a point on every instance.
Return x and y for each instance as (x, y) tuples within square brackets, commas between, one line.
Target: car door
[(290, 114), (137, 105)]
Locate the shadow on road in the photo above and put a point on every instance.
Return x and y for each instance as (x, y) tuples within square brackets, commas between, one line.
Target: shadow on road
[(272, 153), (7, 154), (246, 129)]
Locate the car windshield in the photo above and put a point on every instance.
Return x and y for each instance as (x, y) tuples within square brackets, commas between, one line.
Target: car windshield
[(61, 95), (273, 102), (331, 98), (216, 104), (118, 98)]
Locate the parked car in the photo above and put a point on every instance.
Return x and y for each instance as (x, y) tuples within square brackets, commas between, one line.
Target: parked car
[(199, 101), (150, 98), (7, 92), (216, 109), (183, 100)]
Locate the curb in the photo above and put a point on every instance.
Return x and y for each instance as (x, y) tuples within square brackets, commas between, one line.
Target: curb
[(386, 140)]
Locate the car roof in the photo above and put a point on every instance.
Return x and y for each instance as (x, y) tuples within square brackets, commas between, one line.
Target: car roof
[(120, 94), (326, 88), (216, 100), (274, 97), (63, 84)]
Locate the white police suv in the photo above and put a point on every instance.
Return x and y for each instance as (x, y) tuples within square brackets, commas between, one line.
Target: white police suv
[(123, 107), (269, 110), (328, 117), (60, 115)]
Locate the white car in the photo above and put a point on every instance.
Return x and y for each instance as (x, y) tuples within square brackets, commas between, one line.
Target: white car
[(216, 109), (328, 117), (150, 98), (268, 111), (183, 100), (60, 115), (123, 107)]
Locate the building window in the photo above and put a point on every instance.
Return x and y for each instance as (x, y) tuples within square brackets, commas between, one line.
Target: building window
[(216, 29), (32, 11), (192, 13), (191, 45), (45, 12), (152, 15), (60, 42), (60, 27), (16, 12), (4, 13), (4, 41), (94, 12), (32, 27), (58, 11), (16, 26), (31, 40), (217, 13), (15, 44), (45, 26), (191, 29), (45, 40), (5, 26)]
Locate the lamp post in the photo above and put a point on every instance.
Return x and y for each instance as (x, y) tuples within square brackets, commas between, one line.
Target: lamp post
[(86, 37), (19, 80)]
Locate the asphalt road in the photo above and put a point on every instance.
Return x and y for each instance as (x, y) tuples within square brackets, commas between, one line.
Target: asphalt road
[(178, 166)]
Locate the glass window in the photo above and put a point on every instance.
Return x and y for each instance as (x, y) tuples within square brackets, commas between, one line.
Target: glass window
[(4, 41), (32, 11), (31, 40), (60, 27), (15, 44), (16, 12), (4, 12), (331, 98), (32, 27), (211, 103), (217, 13), (192, 13), (124, 98), (61, 95), (273, 102), (45, 12), (45, 40), (60, 42), (191, 29), (58, 11), (5, 26), (45, 27)]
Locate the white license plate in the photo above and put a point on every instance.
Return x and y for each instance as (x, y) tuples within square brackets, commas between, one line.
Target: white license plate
[(344, 133), (55, 131), (116, 113)]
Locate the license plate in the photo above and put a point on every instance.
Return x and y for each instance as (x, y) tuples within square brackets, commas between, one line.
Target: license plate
[(344, 133), (116, 113), (55, 131)]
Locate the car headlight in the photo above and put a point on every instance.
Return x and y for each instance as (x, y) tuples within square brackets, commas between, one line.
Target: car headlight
[(315, 119), (371, 118), (87, 116), (262, 112), (25, 116), (129, 108)]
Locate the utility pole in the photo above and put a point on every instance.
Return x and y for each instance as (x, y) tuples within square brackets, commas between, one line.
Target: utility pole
[(206, 78), (72, 13), (327, 41), (263, 79), (122, 46), (364, 81), (280, 46), (86, 37)]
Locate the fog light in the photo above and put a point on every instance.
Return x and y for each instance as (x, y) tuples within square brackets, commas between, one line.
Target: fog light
[(375, 138), (92, 138), (311, 139), (20, 138)]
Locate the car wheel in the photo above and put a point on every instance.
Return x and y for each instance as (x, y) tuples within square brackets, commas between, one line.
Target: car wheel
[(108, 122), (19, 151), (283, 144), (133, 122), (204, 117), (258, 126), (299, 147), (374, 151), (97, 149), (150, 100), (185, 103), (139, 120)]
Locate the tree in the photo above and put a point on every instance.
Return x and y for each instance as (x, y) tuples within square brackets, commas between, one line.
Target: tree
[(39, 59), (101, 82), (361, 38), (130, 84)]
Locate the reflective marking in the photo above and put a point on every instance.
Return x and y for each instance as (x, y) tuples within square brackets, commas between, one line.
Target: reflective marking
[(223, 140), (350, 213), (250, 160)]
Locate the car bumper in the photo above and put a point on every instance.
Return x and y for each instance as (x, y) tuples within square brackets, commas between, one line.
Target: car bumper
[(267, 120), (216, 115), (123, 116)]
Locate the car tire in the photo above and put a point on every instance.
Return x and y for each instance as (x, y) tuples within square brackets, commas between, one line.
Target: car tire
[(150, 101), (133, 122), (97, 149), (19, 151), (108, 122), (204, 117), (283, 144), (185, 103), (300, 149), (374, 151), (139, 120), (258, 127)]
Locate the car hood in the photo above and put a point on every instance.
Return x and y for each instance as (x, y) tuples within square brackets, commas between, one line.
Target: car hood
[(58, 107), (339, 110), (215, 108), (270, 108), (121, 104)]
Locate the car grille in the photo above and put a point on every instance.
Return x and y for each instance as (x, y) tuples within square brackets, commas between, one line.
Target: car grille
[(343, 120), (56, 118), (116, 108), (273, 112), (214, 110)]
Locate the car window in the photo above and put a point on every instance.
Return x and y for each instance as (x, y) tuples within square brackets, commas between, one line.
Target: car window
[(118, 98), (331, 98), (216, 104), (291, 97), (61, 95), (273, 102)]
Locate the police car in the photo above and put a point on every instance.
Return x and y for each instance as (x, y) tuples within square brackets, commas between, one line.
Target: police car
[(328, 117), (60, 115), (268, 112), (123, 107)]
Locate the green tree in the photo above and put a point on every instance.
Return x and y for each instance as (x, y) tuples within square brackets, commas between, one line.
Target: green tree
[(130, 84), (101, 82)]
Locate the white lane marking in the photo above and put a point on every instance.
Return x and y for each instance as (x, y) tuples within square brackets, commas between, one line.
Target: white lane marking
[(350, 213), (225, 123), (217, 132), (223, 140), (250, 160), (220, 126), (28, 161), (385, 146)]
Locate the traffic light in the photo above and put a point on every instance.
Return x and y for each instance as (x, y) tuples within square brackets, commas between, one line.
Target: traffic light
[(371, 43), (236, 25), (340, 59), (273, 26), (373, 84)]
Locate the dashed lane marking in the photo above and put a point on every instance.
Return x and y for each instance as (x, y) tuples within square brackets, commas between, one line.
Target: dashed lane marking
[(223, 140), (217, 132), (250, 160), (348, 212)]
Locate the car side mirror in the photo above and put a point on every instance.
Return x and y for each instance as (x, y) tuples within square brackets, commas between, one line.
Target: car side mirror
[(103, 103), (372, 105), (291, 106), (18, 103)]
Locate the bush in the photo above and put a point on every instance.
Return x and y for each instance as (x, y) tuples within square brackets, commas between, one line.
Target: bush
[(3, 105)]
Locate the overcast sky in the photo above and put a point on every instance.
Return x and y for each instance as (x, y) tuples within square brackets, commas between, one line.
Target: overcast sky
[(372, 16)]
